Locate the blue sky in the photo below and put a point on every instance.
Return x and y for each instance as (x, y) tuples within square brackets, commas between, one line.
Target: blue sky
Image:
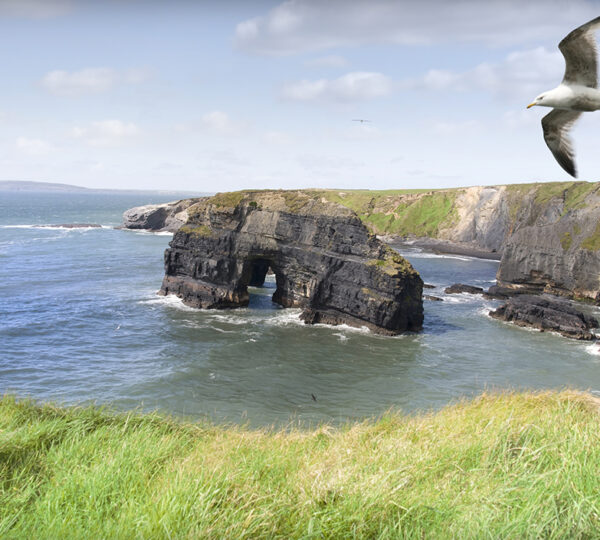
[(212, 96)]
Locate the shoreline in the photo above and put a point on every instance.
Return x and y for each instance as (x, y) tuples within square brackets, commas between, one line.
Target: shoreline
[(441, 247)]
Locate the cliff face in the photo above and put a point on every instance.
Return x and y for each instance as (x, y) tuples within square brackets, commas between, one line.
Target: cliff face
[(547, 233), (324, 259), (556, 250)]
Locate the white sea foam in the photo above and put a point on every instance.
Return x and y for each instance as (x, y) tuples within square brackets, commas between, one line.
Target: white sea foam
[(462, 298), (285, 317), (593, 349), (54, 227), (153, 233), (170, 300)]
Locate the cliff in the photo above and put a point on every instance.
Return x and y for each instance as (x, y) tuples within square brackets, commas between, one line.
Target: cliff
[(546, 234), (323, 257), (158, 217)]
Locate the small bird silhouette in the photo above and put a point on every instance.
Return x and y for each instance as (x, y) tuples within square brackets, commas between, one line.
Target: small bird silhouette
[(361, 120), (313, 396)]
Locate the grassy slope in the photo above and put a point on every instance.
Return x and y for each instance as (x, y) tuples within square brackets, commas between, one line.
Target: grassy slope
[(425, 212), (509, 465)]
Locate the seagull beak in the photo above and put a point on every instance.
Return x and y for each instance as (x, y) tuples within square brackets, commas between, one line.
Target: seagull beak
[(531, 105)]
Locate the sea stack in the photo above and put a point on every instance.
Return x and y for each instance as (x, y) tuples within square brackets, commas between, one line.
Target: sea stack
[(324, 259)]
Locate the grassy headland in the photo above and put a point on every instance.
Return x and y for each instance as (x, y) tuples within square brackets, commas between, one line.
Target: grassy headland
[(500, 466)]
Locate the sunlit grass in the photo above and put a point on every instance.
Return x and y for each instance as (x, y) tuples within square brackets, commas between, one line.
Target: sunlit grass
[(500, 466)]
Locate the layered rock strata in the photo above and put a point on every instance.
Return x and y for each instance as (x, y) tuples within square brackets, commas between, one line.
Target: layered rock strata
[(324, 259), (549, 314), (547, 234)]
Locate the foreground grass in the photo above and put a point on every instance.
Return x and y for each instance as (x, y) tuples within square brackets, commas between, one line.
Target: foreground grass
[(500, 466)]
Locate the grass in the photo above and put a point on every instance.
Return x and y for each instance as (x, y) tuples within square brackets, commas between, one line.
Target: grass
[(196, 230), (592, 242), (500, 466)]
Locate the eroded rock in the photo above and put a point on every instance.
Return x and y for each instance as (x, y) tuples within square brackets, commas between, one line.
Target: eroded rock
[(158, 217), (545, 313), (324, 259), (458, 288)]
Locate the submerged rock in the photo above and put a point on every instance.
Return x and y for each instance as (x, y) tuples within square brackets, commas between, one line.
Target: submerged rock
[(324, 259), (433, 298), (158, 217), (545, 313), (458, 288)]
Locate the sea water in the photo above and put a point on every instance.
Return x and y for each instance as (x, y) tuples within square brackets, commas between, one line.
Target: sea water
[(80, 322)]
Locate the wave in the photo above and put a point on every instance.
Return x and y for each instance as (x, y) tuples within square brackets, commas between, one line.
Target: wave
[(593, 349), (144, 232), (170, 300), (54, 227)]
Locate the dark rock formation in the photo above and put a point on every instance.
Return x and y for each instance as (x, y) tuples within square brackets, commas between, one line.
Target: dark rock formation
[(324, 259), (560, 257), (497, 292), (433, 298), (546, 313), (458, 288), (158, 217), (428, 286)]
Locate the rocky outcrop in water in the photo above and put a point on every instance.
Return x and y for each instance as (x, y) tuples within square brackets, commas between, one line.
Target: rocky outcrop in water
[(324, 259), (547, 234), (459, 288), (158, 217), (549, 314)]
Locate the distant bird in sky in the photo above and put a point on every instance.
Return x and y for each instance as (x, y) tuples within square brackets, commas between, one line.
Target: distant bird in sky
[(361, 120), (578, 92)]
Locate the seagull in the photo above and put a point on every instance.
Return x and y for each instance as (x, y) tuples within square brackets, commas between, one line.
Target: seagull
[(361, 120), (578, 92)]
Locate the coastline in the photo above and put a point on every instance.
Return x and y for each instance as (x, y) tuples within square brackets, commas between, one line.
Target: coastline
[(441, 247)]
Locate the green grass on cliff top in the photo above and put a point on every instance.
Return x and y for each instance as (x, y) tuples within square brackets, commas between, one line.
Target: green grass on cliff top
[(500, 466)]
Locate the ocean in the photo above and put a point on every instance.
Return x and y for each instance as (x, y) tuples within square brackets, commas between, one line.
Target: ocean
[(80, 322)]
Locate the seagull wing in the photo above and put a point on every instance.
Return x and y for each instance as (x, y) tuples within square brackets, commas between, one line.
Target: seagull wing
[(581, 55), (556, 127)]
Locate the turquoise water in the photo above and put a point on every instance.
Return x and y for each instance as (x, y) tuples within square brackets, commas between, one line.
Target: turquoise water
[(80, 322)]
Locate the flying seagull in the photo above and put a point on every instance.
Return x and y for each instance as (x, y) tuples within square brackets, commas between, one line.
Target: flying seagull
[(578, 92), (361, 120)]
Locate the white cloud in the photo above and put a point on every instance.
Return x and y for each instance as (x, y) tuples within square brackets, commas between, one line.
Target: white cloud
[(76, 83), (221, 123), (106, 132), (521, 75), (456, 128), (90, 80), (33, 147), (277, 137), (307, 25), (35, 9), (330, 61), (355, 86)]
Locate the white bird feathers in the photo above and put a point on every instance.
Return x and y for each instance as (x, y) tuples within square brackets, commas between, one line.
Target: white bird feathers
[(577, 93)]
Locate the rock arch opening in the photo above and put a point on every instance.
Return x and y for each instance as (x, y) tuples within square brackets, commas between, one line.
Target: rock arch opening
[(263, 273)]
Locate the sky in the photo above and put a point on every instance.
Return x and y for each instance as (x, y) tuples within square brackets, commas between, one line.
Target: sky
[(223, 95)]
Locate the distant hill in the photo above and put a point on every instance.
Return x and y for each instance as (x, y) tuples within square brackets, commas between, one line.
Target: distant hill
[(13, 185)]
